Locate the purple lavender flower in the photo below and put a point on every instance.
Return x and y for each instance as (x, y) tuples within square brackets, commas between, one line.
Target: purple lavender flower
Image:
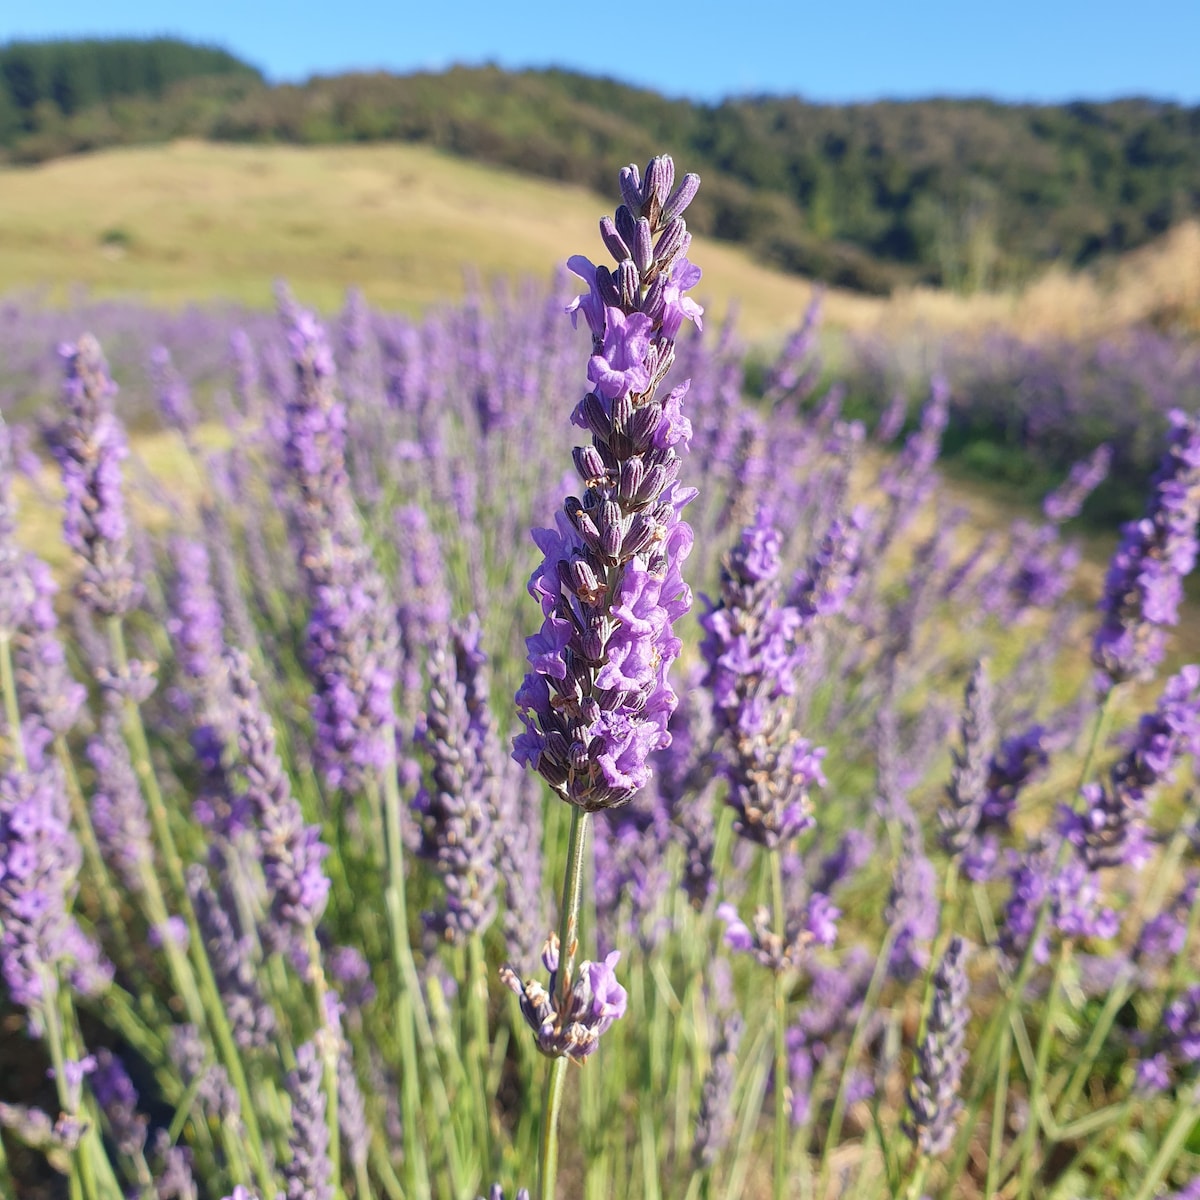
[(292, 852), (810, 920), (1144, 585), (351, 645), (15, 587), (309, 1173), (119, 813), (594, 1001), (117, 1097), (1066, 501), (496, 1192), (174, 398), (629, 849), (1164, 935), (48, 694), (596, 703), (912, 909), (233, 960), (89, 446), (714, 1123), (1070, 893), (933, 1102), (173, 1178), (751, 651), (1109, 831), (458, 811), (966, 793), (40, 942), (1176, 1045), (196, 625)]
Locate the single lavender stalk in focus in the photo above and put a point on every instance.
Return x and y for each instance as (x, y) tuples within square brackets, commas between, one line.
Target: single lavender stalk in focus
[(597, 700), (1144, 585), (933, 1101)]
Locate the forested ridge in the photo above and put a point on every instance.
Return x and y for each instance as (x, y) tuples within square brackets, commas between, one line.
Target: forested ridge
[(961, 193)]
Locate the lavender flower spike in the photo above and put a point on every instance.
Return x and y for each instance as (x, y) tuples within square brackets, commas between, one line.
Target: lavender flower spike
[(596, 701), (89, 445), (1144, 585), (933, 1098), (594, 1001)]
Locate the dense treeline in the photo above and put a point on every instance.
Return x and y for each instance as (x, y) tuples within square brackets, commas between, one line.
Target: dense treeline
[(43, 85), (963, 193)]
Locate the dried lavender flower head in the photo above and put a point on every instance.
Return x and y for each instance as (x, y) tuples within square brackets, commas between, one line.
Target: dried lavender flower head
[(597, 700)]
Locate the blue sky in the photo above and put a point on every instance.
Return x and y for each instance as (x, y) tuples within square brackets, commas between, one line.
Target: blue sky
[(1046, 50)]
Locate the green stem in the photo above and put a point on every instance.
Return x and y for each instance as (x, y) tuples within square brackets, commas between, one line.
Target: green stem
[(209, 998), (330, 1046), (1029, 1136), (782, 1090), (989, 1044), (548, 1141), (477, 1004), (408, 995), (866, 1013), (1177, 1134), (999, 1104), (568, 946)]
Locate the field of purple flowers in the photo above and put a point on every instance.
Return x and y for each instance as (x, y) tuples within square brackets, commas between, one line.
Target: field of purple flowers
[(353, 845)]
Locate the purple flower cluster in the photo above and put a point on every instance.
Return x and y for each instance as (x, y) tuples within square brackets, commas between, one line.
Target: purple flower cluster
[(1176, 1054), (292, 852), (970, 769), (1071, 894), (1109, 831), (597, 701), (351, 644), (752, 655), (89, 445), (594, 1001), (714, 1123), (458, 809), (933, 1103), (40, 942), (309, 1173), (1144, 585), (810, 920), (1066, 501)]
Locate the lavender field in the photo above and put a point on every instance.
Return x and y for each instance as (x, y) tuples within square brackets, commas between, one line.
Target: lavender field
[(761, 826)]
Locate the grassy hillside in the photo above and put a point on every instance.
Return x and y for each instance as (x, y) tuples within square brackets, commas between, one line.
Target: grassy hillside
[(194, 220), (967, 194)]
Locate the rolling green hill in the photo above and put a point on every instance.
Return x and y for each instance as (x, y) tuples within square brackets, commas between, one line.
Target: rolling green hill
[(967, 194)]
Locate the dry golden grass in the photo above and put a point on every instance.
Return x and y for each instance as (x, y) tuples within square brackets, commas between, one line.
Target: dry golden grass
[(195, 221)]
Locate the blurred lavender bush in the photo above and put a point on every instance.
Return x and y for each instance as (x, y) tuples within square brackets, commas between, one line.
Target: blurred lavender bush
[(907, 906)]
